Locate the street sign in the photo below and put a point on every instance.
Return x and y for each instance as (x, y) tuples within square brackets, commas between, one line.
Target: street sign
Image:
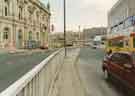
[(52, 28)]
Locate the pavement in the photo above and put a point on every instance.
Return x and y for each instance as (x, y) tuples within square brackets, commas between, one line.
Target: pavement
[(68, 82)]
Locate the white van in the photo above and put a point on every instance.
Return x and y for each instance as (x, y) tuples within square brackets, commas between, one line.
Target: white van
[(97, 42)]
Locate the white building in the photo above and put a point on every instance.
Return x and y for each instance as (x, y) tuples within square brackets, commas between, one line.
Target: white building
[(120, 11), (22, 21)]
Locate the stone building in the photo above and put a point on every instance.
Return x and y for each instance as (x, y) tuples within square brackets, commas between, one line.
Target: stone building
[(90, 33), (57, 39), (23, 22), (120, 11)]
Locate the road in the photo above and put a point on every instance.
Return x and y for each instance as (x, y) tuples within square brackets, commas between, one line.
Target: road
[(14, 66), (91, 75), (81, 76)]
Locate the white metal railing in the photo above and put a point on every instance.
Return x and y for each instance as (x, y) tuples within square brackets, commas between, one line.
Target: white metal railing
[(39, 80)]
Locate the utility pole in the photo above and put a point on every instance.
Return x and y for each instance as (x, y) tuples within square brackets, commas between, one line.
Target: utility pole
[(79, 31), (65, 27)]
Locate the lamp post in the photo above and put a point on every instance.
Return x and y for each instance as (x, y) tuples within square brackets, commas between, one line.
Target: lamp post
[(65, 27)]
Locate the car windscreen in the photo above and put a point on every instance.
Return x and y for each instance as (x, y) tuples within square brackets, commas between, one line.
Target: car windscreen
[(121, 58)]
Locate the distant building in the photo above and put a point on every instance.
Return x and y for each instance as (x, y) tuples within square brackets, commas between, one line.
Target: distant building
[(57, 39), (120, 11), (23, 21), (92, 32)]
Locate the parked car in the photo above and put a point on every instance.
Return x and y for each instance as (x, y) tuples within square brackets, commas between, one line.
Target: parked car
[(86, 44), (120, 66), (44, 47)]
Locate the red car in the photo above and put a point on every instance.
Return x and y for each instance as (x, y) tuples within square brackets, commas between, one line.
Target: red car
[(121, 66)]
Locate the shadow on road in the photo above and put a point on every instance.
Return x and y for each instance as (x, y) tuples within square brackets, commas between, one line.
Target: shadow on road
[(120, 88)]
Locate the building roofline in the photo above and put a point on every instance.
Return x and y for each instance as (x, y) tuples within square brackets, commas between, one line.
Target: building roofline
[(41, 5), (115, 5)]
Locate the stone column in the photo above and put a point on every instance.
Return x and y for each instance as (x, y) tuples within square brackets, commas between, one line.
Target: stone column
[(1, 7), (13, 34)]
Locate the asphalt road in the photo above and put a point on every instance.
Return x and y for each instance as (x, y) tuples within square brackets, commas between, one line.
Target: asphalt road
[(14, 66), (91, 75)]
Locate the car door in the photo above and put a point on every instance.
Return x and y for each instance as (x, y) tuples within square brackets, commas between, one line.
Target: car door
[(115, 66), (129, 72)]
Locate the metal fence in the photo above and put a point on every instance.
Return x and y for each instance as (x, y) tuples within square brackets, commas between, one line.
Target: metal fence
[(39, 80), (32, 44)]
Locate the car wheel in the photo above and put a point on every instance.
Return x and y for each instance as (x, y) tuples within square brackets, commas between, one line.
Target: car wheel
[(106, 75)]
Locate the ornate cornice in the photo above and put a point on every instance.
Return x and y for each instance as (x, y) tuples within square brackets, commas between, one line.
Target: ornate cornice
[(41, 6)]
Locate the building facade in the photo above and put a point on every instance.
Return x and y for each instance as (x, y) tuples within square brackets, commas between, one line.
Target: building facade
[(23, 22), (90, 33), (120, 11)]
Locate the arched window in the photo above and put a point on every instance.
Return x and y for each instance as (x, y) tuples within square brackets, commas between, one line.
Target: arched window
[(30, 17), (20, 12), (37, 16), (30, 35), (6, 34), (6, 11), (37, 35), (6, 7), (45, 28), (20, 34)]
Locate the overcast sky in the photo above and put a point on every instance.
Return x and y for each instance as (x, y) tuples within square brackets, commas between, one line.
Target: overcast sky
[(87, 13)]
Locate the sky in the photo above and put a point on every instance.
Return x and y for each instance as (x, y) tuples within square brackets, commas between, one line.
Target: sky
[(86, 13)]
